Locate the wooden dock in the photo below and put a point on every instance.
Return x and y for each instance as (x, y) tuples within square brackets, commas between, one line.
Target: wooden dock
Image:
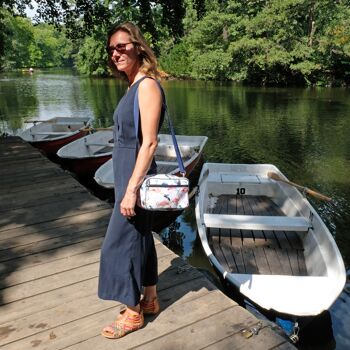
[(51, 230)]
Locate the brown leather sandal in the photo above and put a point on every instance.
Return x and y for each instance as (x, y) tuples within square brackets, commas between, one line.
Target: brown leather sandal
[(125, 323), (150, 307)]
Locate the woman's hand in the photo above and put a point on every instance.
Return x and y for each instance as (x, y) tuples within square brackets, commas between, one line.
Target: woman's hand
[(127, 205)]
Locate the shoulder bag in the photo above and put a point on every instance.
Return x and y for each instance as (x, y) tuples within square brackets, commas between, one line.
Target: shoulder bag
[(163, 192)]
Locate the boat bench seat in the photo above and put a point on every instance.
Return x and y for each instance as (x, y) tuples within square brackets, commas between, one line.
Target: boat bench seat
[(52, 133), (252, 222), (98, 144)]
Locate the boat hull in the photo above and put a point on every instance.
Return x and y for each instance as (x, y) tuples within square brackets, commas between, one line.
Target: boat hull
[(84, 167), (50, 147)]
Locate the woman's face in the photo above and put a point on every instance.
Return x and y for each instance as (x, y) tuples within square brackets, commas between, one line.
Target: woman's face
[(123, 52)]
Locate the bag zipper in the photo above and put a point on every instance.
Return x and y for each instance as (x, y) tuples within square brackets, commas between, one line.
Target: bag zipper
[(166, 185)]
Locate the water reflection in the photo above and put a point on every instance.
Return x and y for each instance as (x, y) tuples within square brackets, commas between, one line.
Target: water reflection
[(304, 132)]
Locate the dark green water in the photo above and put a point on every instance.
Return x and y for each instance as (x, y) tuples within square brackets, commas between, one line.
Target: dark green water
[(304, 132)]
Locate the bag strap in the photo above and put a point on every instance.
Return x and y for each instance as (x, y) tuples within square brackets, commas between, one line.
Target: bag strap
[(171, 128)]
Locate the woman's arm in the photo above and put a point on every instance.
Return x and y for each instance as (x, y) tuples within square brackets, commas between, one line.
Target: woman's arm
[(150, 103)]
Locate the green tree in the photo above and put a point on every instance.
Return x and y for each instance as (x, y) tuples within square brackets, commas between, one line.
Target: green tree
[(266, 42), (18, 42), (91, 58), (50, 47)]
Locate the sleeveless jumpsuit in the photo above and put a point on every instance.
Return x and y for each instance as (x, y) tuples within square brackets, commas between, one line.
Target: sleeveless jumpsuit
[(128, 256)]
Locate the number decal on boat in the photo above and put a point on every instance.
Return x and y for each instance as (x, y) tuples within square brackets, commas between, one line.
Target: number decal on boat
[(240, 191)]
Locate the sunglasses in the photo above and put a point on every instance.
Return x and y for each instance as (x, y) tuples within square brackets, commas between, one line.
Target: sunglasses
[(119, 48)]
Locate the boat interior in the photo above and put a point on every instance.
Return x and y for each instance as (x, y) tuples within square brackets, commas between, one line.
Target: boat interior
[(252, 228), (47, 131), (166, 157)]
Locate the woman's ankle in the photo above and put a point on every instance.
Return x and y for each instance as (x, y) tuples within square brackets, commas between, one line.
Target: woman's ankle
[(134, 309)]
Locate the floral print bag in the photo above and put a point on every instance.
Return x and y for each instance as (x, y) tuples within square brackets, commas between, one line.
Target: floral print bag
[(164, 192)]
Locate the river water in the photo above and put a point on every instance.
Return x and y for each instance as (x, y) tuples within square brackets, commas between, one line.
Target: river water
[(304, 132)]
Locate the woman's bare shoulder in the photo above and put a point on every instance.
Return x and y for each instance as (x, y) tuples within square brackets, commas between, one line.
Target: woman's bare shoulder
[(150, 85)]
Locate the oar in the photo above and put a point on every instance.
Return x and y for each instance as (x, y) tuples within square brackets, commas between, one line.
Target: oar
[(276, 177)]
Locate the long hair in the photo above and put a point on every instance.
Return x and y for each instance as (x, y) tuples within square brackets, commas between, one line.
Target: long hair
[(147, 57)]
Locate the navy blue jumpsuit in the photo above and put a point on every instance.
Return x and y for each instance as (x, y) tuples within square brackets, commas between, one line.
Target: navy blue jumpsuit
[(128, 256)]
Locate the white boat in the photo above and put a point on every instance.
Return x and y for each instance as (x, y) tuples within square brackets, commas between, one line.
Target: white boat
[(86, 154), (191, 148), (263, 237), (52, 134)]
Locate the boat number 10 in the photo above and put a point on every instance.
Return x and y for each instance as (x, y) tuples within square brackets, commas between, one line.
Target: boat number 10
[(240, 190)]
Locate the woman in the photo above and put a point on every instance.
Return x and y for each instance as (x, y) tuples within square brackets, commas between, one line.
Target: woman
[(128, 257)]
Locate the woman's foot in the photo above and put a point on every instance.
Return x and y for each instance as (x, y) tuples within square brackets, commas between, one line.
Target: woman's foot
[(127, 321), (150, 306)]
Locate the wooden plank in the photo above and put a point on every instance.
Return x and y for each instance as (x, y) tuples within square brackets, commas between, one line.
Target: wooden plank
[(61, 222), (40, 302), (168, 321), (43, 198), (261, 261), (26, 274), (225, 246), (220, 207), (57, 201), (22, 217), (282, 239), (260, 205), (294, 240), (82, 307), (64, 278), (283, 256), (52, 255), (259, 237), (247, 235), (238, 255), (60, 179), (37, 273), (26, 163), (223, 209), (26, 239), (55, 294), (249, 260), (33, 193), (216, 247), (272, 209), (266, 339), (48, 245), (30, 176), (274, 262), (204, 332), (271, 239), (236, 235), (257, 206), (88, 328)]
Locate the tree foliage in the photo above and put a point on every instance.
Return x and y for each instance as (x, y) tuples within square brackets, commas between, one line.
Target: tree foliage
[(254, 41), (27, 45), (269, 42)]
